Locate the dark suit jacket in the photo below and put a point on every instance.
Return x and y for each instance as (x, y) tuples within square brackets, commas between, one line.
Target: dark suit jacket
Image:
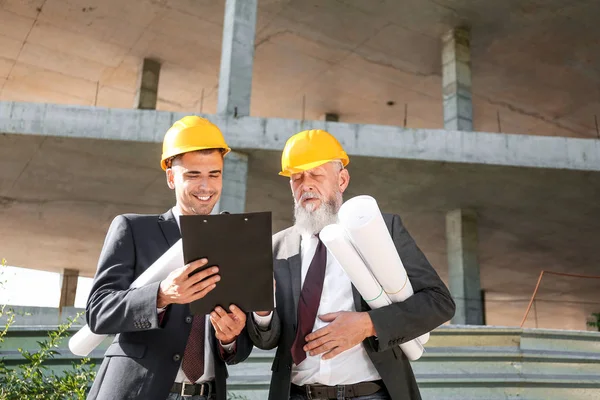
[(143, 360), (430, 306)]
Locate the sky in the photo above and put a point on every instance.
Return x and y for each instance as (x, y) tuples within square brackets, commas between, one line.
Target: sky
[(29, 287)]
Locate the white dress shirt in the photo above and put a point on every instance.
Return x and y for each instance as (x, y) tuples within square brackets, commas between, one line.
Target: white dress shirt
[(351, 366), (209, 361)]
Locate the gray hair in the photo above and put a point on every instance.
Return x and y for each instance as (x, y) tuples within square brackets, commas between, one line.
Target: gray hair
[(339, 164)]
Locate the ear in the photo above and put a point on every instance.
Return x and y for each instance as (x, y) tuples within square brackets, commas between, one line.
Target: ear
[(343, 180), (170, 178)]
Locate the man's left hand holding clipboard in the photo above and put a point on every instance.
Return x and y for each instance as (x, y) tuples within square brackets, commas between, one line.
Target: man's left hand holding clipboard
[(183, 286), (239, 245)]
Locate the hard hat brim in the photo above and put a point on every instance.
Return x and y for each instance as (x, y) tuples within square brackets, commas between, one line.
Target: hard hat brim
[(165, 157), (301, 168)]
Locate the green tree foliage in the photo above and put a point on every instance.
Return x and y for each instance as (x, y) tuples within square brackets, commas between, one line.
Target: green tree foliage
[(32, 379)]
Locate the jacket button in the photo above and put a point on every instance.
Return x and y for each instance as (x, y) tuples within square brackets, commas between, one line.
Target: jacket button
[(176, 357), (188, 319)]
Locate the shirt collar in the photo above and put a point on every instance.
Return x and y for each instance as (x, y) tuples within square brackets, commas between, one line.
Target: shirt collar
[(308, 236), (177, 214)]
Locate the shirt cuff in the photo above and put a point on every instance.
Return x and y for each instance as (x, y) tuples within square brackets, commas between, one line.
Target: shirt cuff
[(262, 322), (228, 347)]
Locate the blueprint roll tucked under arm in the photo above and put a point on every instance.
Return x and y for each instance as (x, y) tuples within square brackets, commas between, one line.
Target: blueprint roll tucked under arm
[(337, 242), (362, 219), (85, 341)]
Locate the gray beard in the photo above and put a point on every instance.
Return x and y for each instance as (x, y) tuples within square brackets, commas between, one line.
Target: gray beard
[(311, 222)]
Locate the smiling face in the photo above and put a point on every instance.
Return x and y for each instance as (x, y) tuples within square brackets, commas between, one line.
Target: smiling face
[(318, 195), (197, 180)]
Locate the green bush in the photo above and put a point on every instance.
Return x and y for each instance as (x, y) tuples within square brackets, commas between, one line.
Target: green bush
[(32, 379)]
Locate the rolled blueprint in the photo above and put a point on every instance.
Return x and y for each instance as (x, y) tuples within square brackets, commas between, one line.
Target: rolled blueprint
[(335, 239), (84, 341), (337, 242), (362, 219)]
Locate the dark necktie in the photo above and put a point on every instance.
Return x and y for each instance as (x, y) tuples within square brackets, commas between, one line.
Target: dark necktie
[(193, 357), (310, 297)]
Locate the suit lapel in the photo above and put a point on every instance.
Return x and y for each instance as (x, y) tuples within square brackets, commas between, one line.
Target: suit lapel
[(169, 227), (295, 266), (358, 301)]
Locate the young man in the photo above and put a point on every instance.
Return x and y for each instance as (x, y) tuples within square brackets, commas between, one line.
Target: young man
[(331, 345), (162, 351)]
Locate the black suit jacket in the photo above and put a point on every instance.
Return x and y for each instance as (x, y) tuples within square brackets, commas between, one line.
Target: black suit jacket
[(430, 306), (143, 360)]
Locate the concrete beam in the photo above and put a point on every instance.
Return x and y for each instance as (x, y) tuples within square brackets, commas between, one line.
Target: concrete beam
[(248, 133), (147, 86), (456, 80), (237, 57)]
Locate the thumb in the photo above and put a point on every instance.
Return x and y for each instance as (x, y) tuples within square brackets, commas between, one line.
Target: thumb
[(329, 317)]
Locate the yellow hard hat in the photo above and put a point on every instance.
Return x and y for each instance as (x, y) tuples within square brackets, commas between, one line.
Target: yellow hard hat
[(309, 149), (192, 133)]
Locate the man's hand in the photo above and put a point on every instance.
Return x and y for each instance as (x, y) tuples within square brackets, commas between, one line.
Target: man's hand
[(180, 288), (346, 330), (228, 326)]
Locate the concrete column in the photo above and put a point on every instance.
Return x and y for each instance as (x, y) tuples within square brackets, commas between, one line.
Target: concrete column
[(235, 89), (237, 57), (235, 178), (463, 267), (147, 85), (68, 288), (456, 80)]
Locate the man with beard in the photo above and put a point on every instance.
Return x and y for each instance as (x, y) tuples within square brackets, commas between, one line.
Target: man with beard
[(161, 351), (330, 344)]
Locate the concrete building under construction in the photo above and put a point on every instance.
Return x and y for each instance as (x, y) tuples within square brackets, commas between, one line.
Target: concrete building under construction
[(477, 122)]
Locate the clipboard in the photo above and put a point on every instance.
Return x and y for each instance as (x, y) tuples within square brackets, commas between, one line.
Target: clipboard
[(241, 246)]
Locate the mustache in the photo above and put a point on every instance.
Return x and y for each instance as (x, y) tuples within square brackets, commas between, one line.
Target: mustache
[(310, 195)]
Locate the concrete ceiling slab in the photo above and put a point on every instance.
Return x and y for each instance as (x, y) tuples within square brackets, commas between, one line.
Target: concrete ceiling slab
[(536, 66)]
